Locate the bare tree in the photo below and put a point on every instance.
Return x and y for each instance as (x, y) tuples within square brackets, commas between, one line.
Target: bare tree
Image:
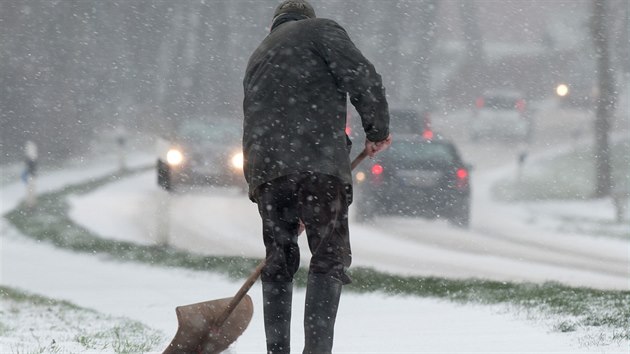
[(606, 99), (623, 43), (473, 66), (421, 65)]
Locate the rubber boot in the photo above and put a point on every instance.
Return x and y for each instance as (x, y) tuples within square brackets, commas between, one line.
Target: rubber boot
[(322, 300), (277, 297)]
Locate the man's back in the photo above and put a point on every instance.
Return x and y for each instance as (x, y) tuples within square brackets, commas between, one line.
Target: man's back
[(295, 101)]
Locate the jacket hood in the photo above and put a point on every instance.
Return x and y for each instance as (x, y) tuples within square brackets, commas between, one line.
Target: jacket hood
[(284, 18)]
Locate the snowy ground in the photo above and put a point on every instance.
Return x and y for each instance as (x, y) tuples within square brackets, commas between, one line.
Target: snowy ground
[(367, 323), (375, 323)]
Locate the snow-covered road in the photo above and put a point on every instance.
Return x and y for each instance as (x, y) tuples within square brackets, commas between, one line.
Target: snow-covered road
[(220, 221)]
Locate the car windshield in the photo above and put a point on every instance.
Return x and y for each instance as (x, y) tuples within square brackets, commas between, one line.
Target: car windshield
[(403, 152), (500, 102), (406, 121), (205, 131)]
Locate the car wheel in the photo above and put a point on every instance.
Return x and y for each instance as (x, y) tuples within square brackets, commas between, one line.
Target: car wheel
[(461, 216), (164, 176)]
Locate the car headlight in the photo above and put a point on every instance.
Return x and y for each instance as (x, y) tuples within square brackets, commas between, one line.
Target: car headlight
[(237, 160), (360, 177), (562, 90), (174, 157)]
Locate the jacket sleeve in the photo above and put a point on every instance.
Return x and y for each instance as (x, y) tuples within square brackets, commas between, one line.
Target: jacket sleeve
[(356, 76)]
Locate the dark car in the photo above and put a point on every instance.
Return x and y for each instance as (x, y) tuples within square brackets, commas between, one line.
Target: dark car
[(201, 151), (403, 120), (409, 121), (415, 176)]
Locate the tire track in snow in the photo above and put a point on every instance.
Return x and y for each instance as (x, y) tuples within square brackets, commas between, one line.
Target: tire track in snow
[(495, 243)]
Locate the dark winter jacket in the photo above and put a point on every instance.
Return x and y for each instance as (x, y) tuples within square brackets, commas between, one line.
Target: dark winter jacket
[(296, 87)]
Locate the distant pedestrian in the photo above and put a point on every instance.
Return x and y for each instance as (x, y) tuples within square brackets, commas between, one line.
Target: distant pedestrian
[(121, 144), (297, 161), (30, 171)]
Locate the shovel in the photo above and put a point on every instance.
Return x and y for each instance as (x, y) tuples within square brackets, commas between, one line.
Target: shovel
[(210, 327)]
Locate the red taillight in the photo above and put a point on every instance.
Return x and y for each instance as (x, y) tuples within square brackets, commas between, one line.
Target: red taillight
[(462, 178), (479, 102), (348, 130), (377, 169), (520, 105), (427, 133)]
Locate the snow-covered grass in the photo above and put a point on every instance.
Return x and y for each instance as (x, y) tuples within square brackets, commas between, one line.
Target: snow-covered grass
[(35, 324), (567, 176), (569, 179)]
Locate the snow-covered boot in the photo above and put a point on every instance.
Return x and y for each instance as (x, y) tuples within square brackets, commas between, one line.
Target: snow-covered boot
[(277, 297), (322, 300)]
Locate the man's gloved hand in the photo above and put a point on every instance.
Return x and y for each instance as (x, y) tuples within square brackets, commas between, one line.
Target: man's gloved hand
[(301, 227), (373, 148)]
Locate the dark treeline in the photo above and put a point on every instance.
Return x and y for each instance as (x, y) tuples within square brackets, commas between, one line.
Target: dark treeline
[(71, 69)]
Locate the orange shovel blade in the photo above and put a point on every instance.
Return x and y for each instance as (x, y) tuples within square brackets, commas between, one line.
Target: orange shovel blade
[(198, 332)]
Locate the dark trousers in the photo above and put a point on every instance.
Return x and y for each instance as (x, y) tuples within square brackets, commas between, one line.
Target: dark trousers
[(321, 202)]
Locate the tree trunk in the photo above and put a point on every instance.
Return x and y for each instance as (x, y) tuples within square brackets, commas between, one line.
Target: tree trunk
[(421, 65), (473, 67), (605, 104)]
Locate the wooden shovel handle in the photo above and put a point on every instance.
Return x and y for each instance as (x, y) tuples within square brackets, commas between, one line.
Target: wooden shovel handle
[(357, 160), (240, 294)]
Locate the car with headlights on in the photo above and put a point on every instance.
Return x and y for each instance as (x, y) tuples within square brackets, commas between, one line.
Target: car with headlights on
[(418, 176), (201, 151)]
